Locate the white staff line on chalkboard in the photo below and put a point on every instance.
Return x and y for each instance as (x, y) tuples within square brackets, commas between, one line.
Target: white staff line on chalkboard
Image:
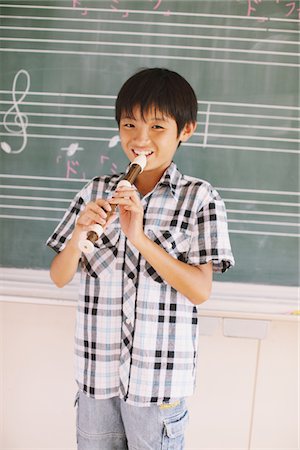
[(262, 222), (170, 24), (243, 148), (63, 105), (36, 188), (255, 105), (33, 177), (144, 45), (44, 208), (80, 180), (72, 116), (113, 97), (157, 13), (256, 127), (251, 116), (257, 138), (44, 199), (115, 129), (262, 213), (195, 144), (232, 125), (265, 233), (226, 200), (260, 202), (132, 55), (134, 11), (279, 30), (133, 22), (7, 216), (136, 33), (258, 191), (75, 127)]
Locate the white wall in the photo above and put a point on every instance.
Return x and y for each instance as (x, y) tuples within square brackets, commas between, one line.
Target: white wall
[(246, 395)]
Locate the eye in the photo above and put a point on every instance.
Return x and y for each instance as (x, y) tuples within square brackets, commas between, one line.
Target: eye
[(128, 125), (158, 127)]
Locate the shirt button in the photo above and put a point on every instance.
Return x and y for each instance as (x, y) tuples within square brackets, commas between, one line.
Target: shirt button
[(131, 275)]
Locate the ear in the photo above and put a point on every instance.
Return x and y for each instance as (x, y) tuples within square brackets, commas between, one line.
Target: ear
[(188, 131)]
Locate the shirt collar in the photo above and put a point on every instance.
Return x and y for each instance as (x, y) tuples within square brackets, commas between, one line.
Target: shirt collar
[(171, 178)]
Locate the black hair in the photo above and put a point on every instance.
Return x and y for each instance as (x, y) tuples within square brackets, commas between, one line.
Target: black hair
[(161, 89)]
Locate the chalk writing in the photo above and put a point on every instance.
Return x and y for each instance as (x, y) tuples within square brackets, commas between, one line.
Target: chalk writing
[(114, 168), (20, 120), (125, 14), (70, 168), (103, 158), (291, 7), (78, 4)]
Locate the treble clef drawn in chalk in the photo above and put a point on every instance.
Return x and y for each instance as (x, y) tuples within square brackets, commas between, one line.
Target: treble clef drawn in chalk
[(20, 120)]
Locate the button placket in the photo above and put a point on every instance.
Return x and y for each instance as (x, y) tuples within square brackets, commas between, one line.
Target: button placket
[(130, 276)]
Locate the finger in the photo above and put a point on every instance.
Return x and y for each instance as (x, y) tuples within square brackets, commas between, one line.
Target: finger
[(102, 210), (132, 194), (104, 204), (89, 216)]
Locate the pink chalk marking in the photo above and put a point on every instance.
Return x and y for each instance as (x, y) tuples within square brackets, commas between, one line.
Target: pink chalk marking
[(70, 169), (157, 5), (293, 6), (114, 168), (103, 158)]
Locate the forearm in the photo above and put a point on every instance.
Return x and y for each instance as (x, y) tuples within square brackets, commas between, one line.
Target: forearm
[(194, 282), (65, 263)]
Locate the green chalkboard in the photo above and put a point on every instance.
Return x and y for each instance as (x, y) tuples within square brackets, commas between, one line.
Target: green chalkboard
[(62, 64)]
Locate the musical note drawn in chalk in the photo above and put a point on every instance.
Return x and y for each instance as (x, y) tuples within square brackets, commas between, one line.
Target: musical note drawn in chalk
[(20, 120), (114, 141), (72, 148)]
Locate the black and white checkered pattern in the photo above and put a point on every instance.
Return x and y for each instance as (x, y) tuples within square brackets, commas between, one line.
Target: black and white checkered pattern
[(136, 337)]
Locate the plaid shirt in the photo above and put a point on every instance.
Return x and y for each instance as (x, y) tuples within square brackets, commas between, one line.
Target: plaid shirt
[(136, 337)]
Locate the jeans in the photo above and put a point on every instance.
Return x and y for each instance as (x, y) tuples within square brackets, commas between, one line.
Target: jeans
[(112, 424)]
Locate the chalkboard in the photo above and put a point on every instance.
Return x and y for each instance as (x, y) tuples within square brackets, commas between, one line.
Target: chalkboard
[(62, 64)]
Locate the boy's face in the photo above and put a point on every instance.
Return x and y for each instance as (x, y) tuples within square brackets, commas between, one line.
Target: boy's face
[(155, 135)]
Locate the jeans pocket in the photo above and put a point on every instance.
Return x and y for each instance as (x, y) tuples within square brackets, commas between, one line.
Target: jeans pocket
[(174, 427)]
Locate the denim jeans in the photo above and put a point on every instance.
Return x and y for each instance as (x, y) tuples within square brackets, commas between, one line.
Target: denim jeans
[(112, 424)]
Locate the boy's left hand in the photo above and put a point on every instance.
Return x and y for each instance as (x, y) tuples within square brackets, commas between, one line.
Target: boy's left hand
[(131, 212)]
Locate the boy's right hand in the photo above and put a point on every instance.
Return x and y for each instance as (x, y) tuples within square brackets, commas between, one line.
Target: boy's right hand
[(94, 213)]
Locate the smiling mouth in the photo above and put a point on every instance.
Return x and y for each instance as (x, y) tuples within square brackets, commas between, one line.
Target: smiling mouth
[(146, 153)]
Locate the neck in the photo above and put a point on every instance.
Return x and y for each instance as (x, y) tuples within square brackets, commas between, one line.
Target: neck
[(148, 179)]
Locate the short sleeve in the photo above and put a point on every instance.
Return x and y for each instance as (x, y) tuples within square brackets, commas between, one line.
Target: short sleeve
[(210, 239), (64, 230)]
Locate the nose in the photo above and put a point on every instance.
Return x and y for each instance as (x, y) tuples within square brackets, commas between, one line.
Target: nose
[(141, 136)]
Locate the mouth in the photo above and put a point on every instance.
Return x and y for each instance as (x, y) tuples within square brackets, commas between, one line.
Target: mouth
[(147, 153)]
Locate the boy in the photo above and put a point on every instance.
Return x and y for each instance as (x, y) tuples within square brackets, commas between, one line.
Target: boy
[(136, 331)]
